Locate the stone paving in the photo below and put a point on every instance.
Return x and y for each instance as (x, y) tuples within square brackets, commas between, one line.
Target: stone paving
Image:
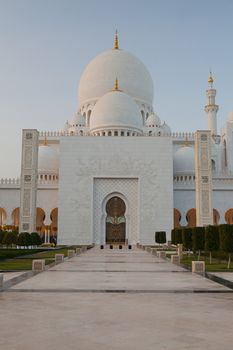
[(116, 299)]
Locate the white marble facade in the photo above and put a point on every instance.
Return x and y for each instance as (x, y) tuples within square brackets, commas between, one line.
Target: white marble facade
[(116, 145), (93, 169)]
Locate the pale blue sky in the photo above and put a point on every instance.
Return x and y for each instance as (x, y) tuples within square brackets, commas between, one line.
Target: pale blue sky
[(46, 44)]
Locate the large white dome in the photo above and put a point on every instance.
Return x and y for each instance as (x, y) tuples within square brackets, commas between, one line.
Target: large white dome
[(98, 77), (116, 110), (184, 161)]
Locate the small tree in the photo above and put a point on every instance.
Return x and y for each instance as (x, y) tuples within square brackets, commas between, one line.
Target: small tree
[(178, 236), (24, 239), (35, 239), (198, 239), (160, 237), (173, 236), (10, 238), (2, 235), (211, 239), (226, 240), (187, 237)]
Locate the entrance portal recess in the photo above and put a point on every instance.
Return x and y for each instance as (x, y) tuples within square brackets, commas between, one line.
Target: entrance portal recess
[(115, 220)]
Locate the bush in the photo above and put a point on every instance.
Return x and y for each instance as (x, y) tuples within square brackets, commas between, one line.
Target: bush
[(187, 237), (10, 238), (211, 239), (35, 239), (160, 237), (176, 235), (2, 235), (226, 240), (24, 239), (173, 236), (198, 239)]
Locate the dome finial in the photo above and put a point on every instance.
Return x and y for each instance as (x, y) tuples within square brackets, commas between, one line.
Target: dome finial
[(116, 46), (116, 85), (210, 79)]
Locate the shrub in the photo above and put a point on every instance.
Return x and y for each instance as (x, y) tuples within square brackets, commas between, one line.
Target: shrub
[(2, 235), (211, 239), (226, 240), (198, 239), (160, 237), (35, 239), (10, 238), (179, 236), (187, 237), (24, 239), (173, 236)]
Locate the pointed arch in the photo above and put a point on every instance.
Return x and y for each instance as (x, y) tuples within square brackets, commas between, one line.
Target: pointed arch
[(191, 217), (176, 217)]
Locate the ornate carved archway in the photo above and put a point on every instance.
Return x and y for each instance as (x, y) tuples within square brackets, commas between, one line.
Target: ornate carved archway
[(115, 220)]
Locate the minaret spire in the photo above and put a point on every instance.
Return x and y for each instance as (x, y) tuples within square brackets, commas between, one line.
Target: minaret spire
[(211, 80), (211, 108), (116, 44)]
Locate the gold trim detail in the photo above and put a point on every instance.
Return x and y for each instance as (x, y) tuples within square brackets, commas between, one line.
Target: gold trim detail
[(210, 79), (116, 44)]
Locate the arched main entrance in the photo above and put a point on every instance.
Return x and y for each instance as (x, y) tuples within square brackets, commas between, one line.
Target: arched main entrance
[(115, 220)]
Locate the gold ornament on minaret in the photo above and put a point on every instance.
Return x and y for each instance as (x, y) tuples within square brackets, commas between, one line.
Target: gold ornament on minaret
[(210, 79), (116, 45)]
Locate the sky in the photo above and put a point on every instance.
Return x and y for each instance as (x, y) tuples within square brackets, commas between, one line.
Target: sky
[(46, 44)]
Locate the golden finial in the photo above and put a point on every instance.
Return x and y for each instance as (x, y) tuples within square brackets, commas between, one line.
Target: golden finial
[(116, 85), (116, 46), (45, 141), (211, 80)]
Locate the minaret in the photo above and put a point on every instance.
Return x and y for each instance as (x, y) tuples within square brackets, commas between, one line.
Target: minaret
[(211, 108)]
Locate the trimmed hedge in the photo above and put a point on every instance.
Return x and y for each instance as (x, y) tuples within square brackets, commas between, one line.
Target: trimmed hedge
[(176, 235), (226, 238), (212, 238), (198, 238), (187, 237), (160, 237)]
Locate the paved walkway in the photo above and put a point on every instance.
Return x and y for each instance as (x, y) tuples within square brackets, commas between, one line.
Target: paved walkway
[(113, 299)]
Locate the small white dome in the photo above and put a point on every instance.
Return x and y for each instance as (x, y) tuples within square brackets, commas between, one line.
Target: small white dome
[(166, 129), (230, 117), (184, 161), (78, 120), (100, 73), (116, 110), (153, 120), (48, 161)]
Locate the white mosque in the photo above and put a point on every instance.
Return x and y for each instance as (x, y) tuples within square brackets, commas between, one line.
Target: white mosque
[(116, 172)]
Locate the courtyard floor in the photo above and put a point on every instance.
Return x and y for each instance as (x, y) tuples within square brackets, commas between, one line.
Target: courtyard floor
[(116, 299)]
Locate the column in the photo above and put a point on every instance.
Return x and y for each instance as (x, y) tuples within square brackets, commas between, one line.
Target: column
[(204, 206), (28, 186)]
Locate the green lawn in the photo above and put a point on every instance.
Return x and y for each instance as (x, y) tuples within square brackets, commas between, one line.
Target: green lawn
[(12, 253), (21, 259), (19, 264), (216, 266)]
